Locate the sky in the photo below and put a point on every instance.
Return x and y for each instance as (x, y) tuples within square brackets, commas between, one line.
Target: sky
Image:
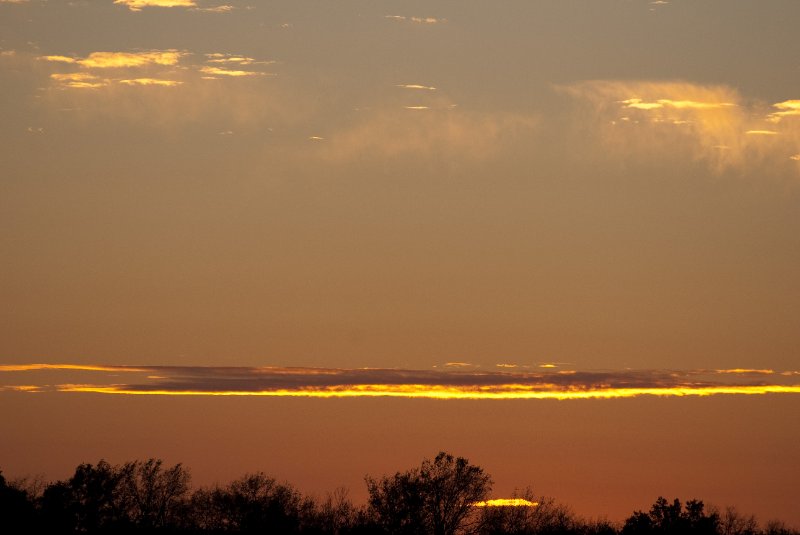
[(329, 239)]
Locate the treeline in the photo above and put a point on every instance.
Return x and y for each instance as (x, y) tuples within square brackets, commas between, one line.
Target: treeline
[(440, 497)]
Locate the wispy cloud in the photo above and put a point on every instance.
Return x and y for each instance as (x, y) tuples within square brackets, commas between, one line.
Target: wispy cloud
[(151, 81), (714, 124), (225, 8), (408, 383), (219, 71), (416, 19), (434, 129), (232, 59), (79, 80), (138, 5), (417, 86)]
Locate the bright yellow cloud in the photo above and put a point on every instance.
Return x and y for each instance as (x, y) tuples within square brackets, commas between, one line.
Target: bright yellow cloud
[(443, 392), (62, 59), (506, 502), (138, 5), (788, 108), (151, 81), (79, 80), (108, 60)]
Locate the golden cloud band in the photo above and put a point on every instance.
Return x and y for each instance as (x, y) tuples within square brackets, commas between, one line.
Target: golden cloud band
[(472, 384)]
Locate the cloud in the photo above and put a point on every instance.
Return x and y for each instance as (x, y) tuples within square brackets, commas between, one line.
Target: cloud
[(381, 382), (79, 80), (216, 9), (506, 502), (415, 20), (61, 59), (138, 5), (110, 60), (788, 108), (231, 59), (218, 71), (151, 81), (416, 86), (436, 130), (709, 123)]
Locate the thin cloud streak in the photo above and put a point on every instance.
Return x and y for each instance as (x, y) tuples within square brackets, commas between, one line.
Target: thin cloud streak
[(392, 382)]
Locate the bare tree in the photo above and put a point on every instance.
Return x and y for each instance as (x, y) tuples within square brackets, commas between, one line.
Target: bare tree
[(435, 498), (153, 493)]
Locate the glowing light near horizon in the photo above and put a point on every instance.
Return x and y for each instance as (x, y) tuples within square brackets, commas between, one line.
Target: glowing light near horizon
[(506, 502)]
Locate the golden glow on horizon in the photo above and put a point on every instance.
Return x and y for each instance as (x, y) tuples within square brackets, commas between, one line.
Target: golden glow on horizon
[(497, 392), (506, 502)]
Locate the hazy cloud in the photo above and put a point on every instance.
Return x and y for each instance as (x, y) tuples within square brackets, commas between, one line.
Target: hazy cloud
[(714, 124), (437, 131)]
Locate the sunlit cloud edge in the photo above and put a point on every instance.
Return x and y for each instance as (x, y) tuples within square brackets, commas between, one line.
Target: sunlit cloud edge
[(473, 384)]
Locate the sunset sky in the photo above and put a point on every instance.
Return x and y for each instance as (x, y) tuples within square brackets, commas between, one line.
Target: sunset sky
[(330, 239)]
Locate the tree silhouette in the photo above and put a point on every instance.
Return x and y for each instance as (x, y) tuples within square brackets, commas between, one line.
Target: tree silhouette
[(546, 517), (104, 498), (254, 503), (435, 498), (16, 510), (665, 519), (152, 494)]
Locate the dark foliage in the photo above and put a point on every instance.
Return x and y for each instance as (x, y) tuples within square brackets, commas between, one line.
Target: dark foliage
[(435, 498)]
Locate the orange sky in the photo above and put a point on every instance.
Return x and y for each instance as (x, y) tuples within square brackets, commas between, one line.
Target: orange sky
[(607, 188)]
